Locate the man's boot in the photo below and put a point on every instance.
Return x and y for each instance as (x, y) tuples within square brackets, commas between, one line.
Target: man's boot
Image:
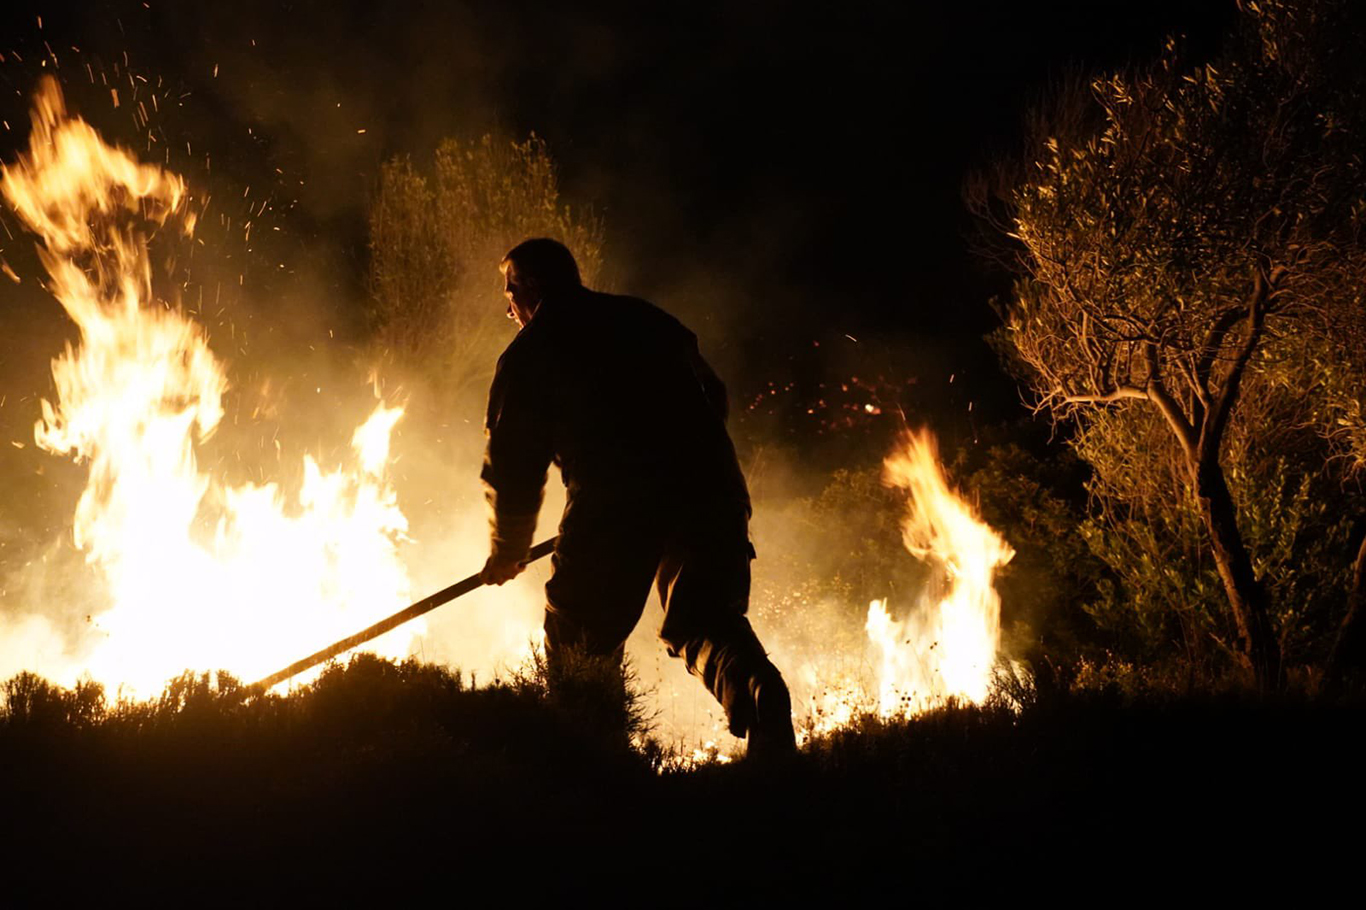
[(770, 736)]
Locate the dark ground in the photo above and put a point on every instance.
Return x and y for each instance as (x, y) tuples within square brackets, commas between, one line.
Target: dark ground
[(398, 783)]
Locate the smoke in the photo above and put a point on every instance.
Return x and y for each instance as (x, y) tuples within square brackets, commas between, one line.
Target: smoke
[(280, 118), (47, 598)]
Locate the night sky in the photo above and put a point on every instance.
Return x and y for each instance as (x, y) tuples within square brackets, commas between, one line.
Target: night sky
[(781, 179)]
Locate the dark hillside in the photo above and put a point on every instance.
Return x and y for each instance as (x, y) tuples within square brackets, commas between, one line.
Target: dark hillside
[(394, 780)]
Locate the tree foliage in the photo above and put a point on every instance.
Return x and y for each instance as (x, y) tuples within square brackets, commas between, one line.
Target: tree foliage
[(1187, 245), (437, 235)]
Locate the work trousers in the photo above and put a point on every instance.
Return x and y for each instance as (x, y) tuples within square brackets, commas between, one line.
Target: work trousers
[(697, 555)]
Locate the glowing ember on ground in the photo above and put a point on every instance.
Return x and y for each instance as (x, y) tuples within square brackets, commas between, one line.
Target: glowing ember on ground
[(200, 574)]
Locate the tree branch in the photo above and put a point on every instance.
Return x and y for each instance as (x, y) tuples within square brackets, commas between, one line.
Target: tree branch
[(1171, 409), (1216, 418), (1122, 393), (1214, 340)]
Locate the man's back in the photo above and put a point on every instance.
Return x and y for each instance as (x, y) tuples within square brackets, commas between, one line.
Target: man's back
[(615, 390)]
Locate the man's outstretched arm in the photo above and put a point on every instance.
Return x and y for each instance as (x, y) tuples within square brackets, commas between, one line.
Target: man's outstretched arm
[(519, 452)]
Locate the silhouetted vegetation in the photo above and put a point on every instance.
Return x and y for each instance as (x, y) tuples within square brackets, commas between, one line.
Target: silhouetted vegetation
[(392, 780)]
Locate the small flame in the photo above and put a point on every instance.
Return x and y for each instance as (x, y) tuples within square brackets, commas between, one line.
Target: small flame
[(200, 574)]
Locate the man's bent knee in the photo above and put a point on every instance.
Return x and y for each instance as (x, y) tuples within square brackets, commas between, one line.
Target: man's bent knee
[(734, 667)]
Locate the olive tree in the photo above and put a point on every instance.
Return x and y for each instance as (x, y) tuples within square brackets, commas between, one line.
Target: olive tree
[(1179, 233)]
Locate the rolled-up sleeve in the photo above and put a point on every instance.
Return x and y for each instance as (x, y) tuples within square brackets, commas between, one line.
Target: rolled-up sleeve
[(520, 448)]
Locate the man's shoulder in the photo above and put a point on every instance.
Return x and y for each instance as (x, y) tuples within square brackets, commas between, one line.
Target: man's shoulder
[(637, 310), (626, 301), (590, 320)]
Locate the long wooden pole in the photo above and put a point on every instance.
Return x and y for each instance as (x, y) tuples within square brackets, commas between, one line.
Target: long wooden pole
[(425, 605)]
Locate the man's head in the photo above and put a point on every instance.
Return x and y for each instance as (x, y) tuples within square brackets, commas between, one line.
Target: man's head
[(534, 269)]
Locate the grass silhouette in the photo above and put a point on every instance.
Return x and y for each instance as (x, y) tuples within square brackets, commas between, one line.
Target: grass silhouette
[(393, 779)]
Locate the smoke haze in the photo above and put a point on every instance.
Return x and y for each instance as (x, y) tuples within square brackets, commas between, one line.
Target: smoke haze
[(787, 187)]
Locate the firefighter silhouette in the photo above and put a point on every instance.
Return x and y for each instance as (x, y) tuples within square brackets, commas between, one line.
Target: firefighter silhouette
[(614, 391)]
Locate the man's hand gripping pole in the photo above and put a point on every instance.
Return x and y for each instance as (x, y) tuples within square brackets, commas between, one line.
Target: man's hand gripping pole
[(425, 605)]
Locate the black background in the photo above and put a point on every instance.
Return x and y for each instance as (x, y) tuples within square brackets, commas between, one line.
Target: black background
[(785, 177)]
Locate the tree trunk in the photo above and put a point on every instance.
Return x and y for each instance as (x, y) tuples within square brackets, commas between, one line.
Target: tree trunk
[(1246, 594), (1349, 650)]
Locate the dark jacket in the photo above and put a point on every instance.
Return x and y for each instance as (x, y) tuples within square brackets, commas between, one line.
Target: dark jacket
[(614, 391)]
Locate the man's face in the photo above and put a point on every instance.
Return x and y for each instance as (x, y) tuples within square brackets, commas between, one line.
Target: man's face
[(522, 294)]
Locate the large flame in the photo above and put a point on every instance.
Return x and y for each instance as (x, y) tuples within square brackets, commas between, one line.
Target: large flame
[(200, 574), (206, 575), (946, 648)]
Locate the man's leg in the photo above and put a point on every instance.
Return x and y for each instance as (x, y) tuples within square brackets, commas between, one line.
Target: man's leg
[(704, 581), (596, 594)]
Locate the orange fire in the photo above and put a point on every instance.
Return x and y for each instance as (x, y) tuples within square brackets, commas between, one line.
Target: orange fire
[(205, 575), (200, 574), (945, 647)]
